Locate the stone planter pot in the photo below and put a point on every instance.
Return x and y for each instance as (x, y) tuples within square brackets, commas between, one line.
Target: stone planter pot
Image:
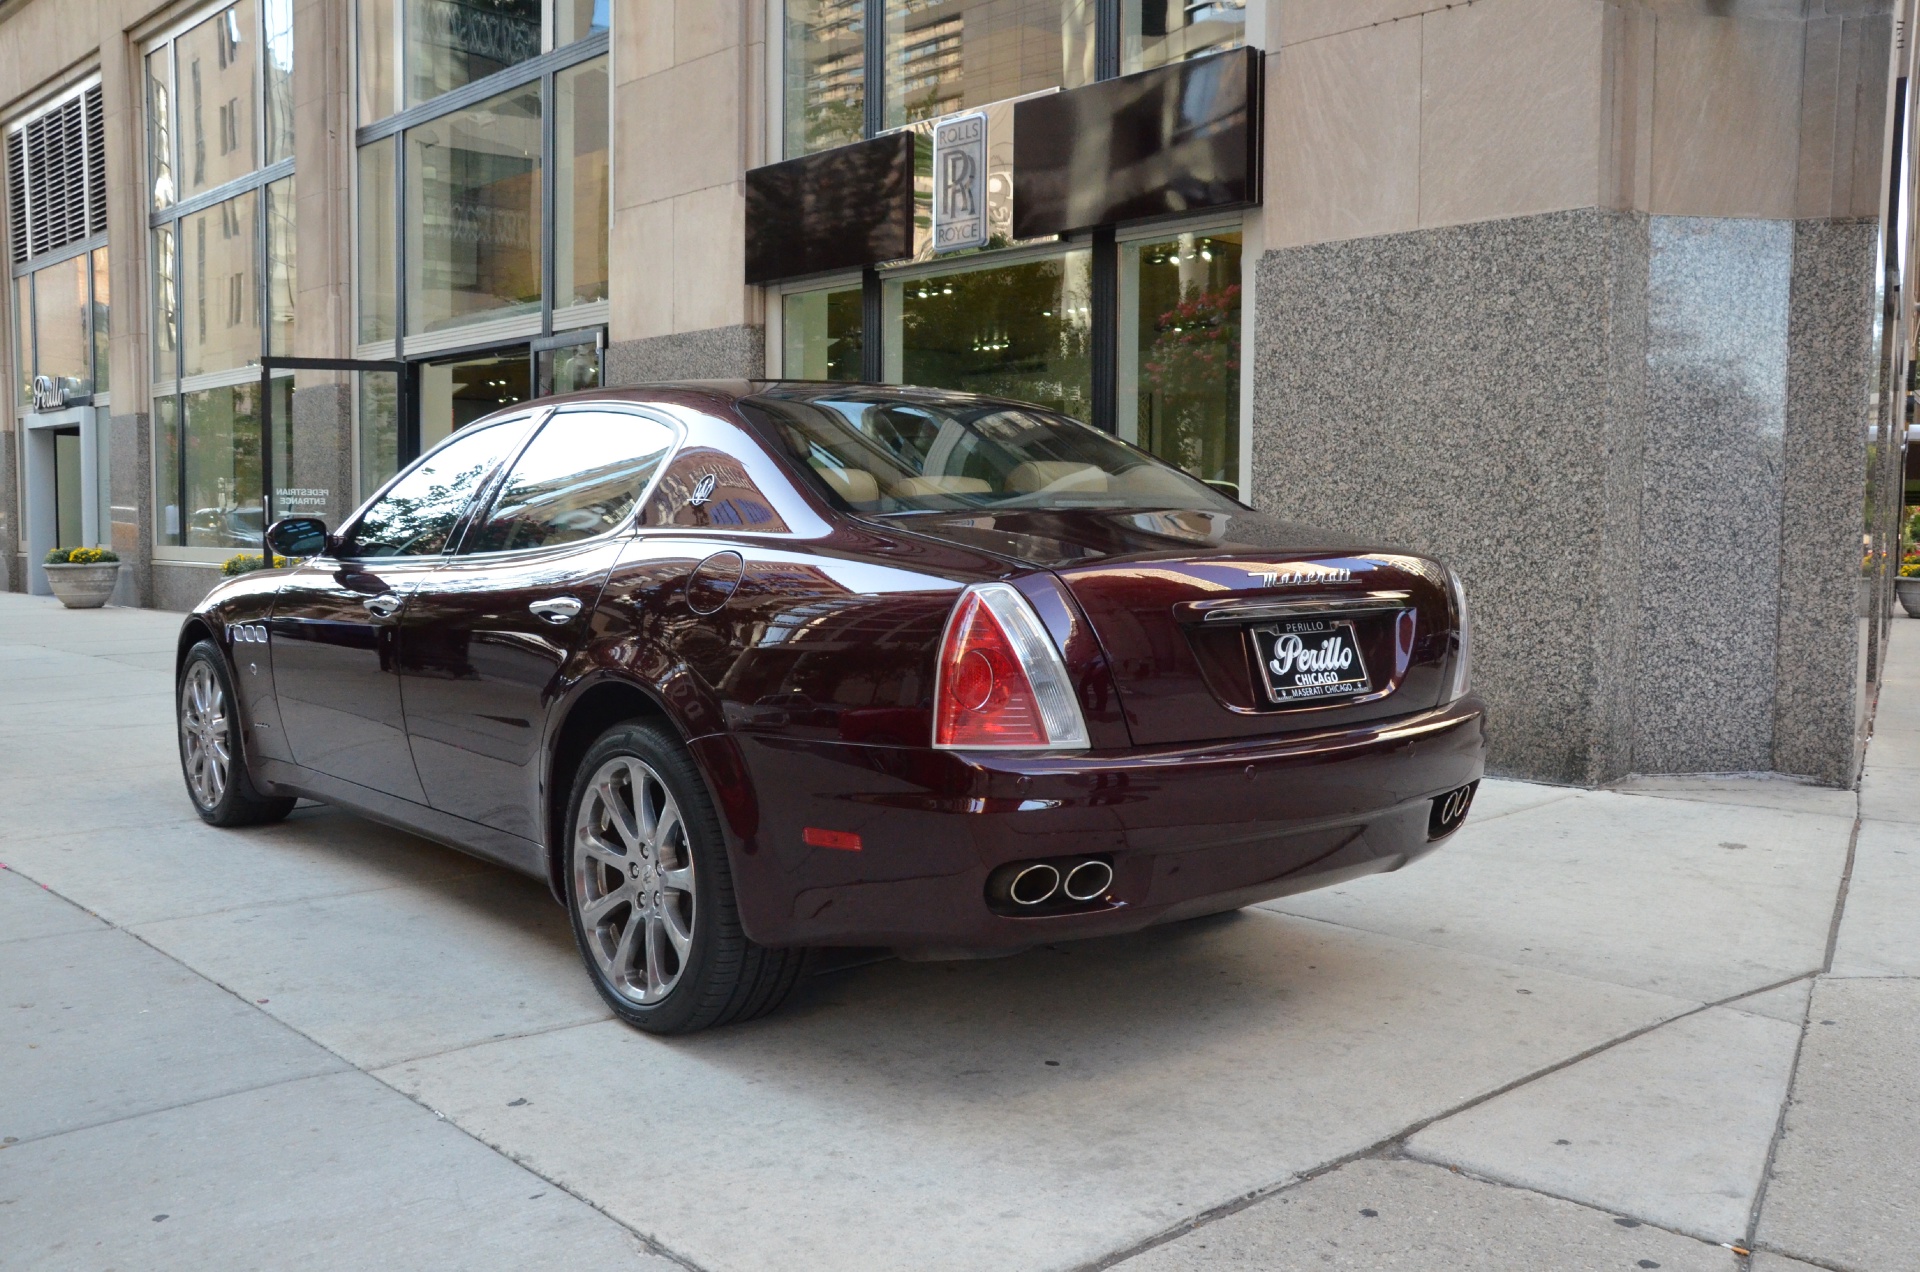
[(83, 586), (1908, 590)]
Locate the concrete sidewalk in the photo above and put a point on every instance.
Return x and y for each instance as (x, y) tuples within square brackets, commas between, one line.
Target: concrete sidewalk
[(1617, 1029)]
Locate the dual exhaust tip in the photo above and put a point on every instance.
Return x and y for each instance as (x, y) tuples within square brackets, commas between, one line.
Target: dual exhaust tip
[(1029, 885)]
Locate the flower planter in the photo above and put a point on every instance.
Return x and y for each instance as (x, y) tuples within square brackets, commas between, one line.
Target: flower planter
[(83, 586), (1908, 590)]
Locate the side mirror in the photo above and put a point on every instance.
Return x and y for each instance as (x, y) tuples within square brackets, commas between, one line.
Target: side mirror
[(299, 537)]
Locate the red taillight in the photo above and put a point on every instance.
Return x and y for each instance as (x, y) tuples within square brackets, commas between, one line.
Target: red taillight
[(985, 697)]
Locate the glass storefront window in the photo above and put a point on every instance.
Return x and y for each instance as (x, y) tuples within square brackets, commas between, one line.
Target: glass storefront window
[(219, 262), (277, 28), (379, 215), (1179, 392), (62, 346), (160, 126), (948, 55), (1019, 331), (455, 394), (583, 199), (216, 95), (1158, 32), (223, 467), (166, 471), (473, 213), (822, 334), (454, 42), (373, 46), (102, 320), (282, 274), (379, 428), (825, 69), (166, 303), (578, 19)]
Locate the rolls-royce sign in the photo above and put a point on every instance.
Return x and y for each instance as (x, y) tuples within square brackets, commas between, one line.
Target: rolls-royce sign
[(960, 182)]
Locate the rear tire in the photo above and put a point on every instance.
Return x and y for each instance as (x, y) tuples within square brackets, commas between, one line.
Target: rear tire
[(212, 752), (650, 892)]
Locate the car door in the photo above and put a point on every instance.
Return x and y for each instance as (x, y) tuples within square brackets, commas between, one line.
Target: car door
[(336, 619), (485, 636)]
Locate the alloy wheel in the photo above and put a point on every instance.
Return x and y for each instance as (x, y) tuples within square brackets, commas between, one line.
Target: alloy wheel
[(633, 880), (203, 728)]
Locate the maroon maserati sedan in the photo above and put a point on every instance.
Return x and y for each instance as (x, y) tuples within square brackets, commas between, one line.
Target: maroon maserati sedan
[(747, 669)]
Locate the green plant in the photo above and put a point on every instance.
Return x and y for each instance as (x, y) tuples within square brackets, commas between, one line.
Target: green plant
[(82, 556), (247, 563)]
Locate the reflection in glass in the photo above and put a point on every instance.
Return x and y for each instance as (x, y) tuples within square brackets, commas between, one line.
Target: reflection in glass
[(825, 69), (473, 213), (454, 42), (62, 346), (578, 19), (948, 55), (278, 74), (1015, 331), (306, 465), (569, 369), (102, 320), (378, 230), (216, 92), (166, 470), (1158, 32), (160, 127), (282, 274), (220, 300), (223, 467), (582, 198), (1180, 351), (379, 427), (374, 51), (821, 335), (415, 517), (578, 478), (166, 304), (455, 394)]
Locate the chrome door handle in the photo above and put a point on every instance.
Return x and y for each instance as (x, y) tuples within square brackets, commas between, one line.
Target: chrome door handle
[(383, 606), (558, 610)]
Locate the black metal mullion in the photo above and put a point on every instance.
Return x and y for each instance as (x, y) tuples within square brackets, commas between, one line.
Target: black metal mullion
[(549, 188), (1106, 39), (399, 143), (873, 362), (873, 79), (1106, 330)]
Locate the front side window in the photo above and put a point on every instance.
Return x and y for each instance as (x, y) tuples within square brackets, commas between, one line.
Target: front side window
[(417, 514), (879, 454), (580, 477)]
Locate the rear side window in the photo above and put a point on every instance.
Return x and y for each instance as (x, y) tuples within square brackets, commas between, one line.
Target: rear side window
[(418, 512), (579, 477)]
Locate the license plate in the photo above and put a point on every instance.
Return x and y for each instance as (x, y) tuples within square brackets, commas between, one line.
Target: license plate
[(1310, 660)]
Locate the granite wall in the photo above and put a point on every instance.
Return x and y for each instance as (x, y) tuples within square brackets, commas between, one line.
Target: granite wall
[(716, 353), (130, 528), (12, 571), (1637, 438)]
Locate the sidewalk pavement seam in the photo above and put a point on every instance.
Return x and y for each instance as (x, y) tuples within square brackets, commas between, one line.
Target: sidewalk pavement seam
[(184, 1104), (1395, 1145), (1800, 1044), (652, 1245)]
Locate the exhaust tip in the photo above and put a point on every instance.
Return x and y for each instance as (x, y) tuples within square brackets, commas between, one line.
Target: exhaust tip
[(1087, 881), (1034, 884)]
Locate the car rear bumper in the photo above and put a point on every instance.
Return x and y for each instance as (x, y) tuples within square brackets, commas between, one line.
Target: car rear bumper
[(1190, 830)]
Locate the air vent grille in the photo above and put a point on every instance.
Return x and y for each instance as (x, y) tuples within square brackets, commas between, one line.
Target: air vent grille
[(57, 177)]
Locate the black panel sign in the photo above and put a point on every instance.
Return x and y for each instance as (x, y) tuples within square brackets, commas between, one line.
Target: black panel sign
[(839, 209), (1165, 142)]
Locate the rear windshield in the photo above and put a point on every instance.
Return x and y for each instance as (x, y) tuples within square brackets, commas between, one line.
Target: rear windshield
[(895, 456)]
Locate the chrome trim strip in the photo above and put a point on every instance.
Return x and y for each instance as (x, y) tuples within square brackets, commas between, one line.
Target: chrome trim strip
[(1244, 609)]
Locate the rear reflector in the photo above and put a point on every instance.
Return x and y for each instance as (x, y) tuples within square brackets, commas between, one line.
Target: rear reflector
[(1001, 684), (845, 840)]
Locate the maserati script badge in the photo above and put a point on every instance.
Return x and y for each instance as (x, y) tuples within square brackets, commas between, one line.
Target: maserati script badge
[(1289, 578)]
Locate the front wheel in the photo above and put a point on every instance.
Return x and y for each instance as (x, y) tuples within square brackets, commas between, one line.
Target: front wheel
[(211, 758), (650, 892)]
